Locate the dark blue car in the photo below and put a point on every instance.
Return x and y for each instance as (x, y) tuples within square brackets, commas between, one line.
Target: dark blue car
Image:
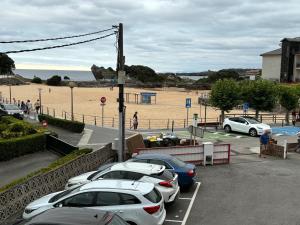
[(186, 171)]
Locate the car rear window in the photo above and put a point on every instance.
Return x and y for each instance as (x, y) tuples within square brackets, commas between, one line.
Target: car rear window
[(153, 196), (165, 175), (178, 162)]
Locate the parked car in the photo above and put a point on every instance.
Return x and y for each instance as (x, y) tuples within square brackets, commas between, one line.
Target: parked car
[(11, 109), (75, 216), (186, 171), (136, 202), (165, 181), (245, 124)]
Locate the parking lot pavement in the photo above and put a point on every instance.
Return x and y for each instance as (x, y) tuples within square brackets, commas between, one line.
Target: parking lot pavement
[(248, 191), (178, 213)]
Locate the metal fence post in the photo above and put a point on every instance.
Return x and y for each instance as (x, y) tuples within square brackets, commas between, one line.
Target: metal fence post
[(183, 123), (95, 120), (54, 113), (47, 111), (82, 118), (275, 119), (261, 118), (65, 115), (149, 124), (113, 122), (172, 126), (168, 124)]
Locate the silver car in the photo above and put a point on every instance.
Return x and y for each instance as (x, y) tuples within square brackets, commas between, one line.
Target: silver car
[(11, 109)]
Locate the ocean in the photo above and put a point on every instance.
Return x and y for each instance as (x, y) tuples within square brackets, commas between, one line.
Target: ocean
[(72, 74), (45, 74)]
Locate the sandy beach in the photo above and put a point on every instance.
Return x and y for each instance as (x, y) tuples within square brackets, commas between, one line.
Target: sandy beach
[(170, 102)]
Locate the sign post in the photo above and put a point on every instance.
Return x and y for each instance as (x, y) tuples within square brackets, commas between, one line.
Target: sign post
[(188, 104), (245, 108), (102, 100)]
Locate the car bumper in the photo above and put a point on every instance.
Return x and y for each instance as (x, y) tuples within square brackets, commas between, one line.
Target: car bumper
[(173, 197), (162, 218)]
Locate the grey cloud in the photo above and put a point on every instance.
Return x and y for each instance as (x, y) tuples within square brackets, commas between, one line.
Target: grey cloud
[(168, 35)]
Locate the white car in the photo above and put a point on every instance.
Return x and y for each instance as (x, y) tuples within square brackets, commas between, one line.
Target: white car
[(136, 202), (248, 125), (165, 181)]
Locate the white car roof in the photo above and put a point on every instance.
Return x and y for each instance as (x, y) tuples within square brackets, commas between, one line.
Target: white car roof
[(138, 167), (112, 185)]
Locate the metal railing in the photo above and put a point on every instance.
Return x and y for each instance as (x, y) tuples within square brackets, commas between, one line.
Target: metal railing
[(114, 121)]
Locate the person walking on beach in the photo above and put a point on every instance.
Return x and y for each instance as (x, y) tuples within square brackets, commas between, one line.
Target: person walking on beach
[(135, 121), (37, 106), (28, 106), (23, 106), (264, 141)]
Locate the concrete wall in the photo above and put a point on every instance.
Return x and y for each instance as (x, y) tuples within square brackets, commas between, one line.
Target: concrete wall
[(271, 67)]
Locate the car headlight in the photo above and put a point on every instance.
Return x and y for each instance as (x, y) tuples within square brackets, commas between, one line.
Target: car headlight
[(28, 211)]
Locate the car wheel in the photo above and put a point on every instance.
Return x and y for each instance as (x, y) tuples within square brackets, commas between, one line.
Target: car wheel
[(253, 132), (227, 129)]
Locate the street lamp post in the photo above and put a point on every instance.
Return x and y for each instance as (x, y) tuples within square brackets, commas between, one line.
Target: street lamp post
[(9, 93), (40, 98), (72, 85)]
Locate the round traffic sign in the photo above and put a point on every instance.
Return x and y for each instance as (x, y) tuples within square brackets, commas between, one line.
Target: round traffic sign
[(103, 100)]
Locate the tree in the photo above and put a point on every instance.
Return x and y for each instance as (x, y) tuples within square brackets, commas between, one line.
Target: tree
[(54, 80), (66, 78), (36, 80), (7, 65), (260, 94), (288, 99), (225, 95)]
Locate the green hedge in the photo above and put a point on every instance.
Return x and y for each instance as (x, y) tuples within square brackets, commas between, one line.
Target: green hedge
[(59, 162), (74, 126), (14, 147)]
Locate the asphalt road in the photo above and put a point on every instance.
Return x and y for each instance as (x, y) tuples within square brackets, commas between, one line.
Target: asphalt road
[(249, 191)]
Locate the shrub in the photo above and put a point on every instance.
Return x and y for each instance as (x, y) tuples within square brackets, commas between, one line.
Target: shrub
[(36, 80), (66, 78), (11, 128), (54, 80), (59, 162), (74, 126), (14, 147)]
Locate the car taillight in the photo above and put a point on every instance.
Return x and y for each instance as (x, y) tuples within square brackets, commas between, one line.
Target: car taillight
[(152, 209), (166, 183), (191, 173)]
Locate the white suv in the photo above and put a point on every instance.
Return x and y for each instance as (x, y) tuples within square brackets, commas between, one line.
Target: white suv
[(245, 124), (136, 202), (165, 181)]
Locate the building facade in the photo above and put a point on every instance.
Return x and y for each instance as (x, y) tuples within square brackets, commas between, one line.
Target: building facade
[(283, 64)]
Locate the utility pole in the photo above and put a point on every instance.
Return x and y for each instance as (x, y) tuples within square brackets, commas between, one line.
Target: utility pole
[(121, 81)]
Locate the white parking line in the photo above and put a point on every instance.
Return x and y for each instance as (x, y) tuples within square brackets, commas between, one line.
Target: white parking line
[(185, 198), (174, 221), (186, 216)]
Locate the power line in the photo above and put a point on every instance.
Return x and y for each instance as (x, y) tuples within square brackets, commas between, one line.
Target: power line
[(58, 38), (59, 46)]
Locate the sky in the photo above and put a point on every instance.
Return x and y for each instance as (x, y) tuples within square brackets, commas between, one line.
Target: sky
[(166, 35)]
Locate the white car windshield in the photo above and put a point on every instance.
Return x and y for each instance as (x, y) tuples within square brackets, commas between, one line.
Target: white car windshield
[(11, 107), (63, 194), (252, 120)]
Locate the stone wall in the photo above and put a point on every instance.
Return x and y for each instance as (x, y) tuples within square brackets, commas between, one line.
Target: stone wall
[(274, 150), (14, 200)]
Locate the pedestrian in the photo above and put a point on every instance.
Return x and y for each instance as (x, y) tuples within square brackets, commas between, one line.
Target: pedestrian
[(28, 106), (294, 117), (135, 121), (264, 141), (37, 106), (23, 106)]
